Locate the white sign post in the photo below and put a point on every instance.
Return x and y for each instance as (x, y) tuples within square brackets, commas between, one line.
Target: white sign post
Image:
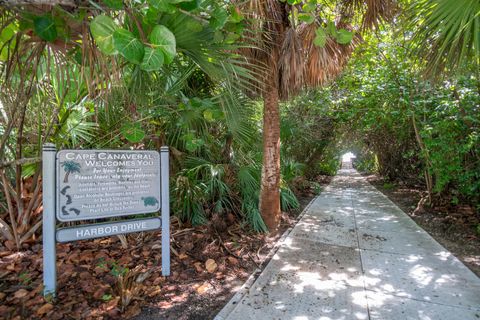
[(81, 185)]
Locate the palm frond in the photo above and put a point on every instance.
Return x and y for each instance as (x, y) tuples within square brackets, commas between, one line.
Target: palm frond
[(249, 185), (291, 65), (323, 63), (447, 33), (288, 200), (264, 38), (373, 12)]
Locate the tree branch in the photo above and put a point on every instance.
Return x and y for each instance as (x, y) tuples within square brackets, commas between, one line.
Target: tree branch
[(15, 3), (20, 162)]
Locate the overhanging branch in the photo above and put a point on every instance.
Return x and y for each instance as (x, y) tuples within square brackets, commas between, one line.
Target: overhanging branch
[(20, 162), (14, 3)]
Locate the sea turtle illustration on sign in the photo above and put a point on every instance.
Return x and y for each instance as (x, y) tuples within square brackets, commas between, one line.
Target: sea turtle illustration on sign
[(70, 167), (149, 201)]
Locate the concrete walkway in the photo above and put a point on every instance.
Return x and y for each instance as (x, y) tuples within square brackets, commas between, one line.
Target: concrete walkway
[(356, 255)]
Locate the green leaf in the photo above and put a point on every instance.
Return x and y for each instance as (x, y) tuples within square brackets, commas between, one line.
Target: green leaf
[(163, 6), (320, 38), (194, 144), (133, 132), (152, 60), (190, 5), (45, 28), (63, 32), (164, 39), (306, 17), (114, 4), (231, 37), (208, 115), (331, 29), (236, 15), (26, 21), (102, 28), (128, 46), (6, 35), (344, 36), (309, 7), (219, 18)]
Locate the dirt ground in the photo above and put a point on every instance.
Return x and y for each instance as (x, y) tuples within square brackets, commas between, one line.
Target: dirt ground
[(98, 279), (103, 279), (454, 227)]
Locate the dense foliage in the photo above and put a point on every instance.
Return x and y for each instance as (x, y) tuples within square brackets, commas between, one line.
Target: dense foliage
[(142, 74), (405, 126), (149, 75)]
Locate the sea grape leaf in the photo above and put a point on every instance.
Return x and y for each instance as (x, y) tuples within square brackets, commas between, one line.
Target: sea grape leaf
[(163, 39), (236, 15), (331, 29), (309, 7), (320, 38), (344, 36), (163, 6), (128, 46), (102, 28), (219, 18), (152, 60), (306, 17), (45, 28)]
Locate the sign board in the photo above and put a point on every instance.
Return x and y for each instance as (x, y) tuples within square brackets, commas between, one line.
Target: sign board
[(93, 184), (107, 229), (81, 185)]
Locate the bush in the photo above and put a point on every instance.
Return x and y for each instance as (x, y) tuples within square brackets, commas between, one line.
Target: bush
[(329, 166)]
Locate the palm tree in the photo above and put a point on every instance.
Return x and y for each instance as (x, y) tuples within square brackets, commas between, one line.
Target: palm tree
[(298, 44), (70, 167)]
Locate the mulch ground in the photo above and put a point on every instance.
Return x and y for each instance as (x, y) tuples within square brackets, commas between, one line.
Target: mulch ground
[(453, 226), (105, 279)]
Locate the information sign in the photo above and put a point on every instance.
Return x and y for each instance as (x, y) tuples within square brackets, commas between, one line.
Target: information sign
[(81, 185), (93, 184)]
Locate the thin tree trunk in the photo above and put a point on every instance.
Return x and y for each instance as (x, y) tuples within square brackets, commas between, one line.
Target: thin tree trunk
[(270, 184), (11, 210), (423, 148)]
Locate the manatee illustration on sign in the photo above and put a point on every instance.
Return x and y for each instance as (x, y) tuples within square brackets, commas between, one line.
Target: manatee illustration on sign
[(149, 201)]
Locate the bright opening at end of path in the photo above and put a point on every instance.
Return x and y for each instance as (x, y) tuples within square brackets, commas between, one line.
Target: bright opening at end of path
[(347, 157), (347, 160)]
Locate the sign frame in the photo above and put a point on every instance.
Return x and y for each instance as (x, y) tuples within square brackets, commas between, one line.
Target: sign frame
[(49, 229)]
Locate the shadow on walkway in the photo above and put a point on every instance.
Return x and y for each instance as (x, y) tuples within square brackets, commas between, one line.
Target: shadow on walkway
[(355, 255)]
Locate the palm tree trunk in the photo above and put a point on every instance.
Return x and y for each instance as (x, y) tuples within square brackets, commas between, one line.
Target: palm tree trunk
[(270, 184)]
